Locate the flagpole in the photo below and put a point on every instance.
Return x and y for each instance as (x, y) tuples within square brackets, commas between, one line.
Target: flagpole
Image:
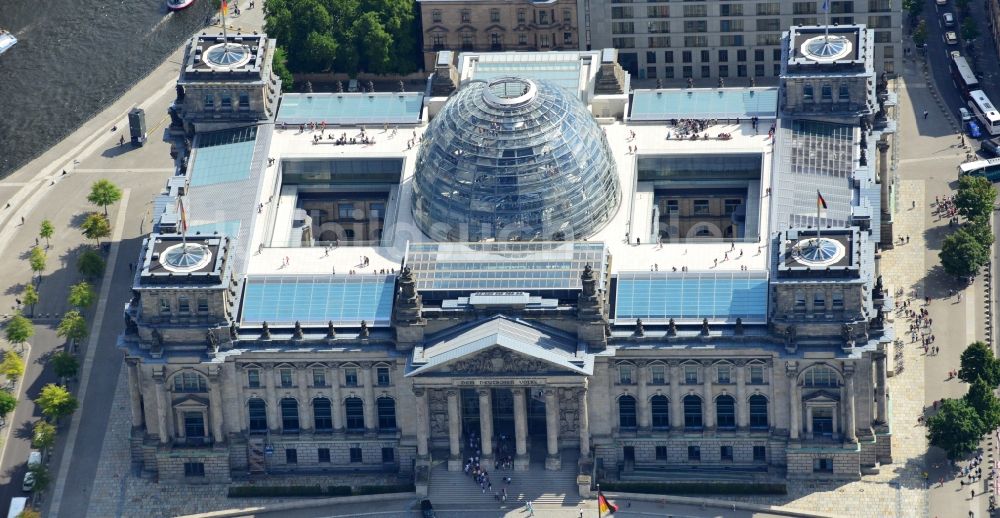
[(826, 4), (598, 500), (225, 36), (819, 208)]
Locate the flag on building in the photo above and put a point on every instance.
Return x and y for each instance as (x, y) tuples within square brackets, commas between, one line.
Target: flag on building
[(183, 215), (225, 8), (604, 506), (820, 205), (826, 6)]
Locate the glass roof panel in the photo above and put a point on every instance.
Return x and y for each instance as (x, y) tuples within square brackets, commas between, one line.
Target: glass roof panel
[(318, 299), (223, 156), (704, 103), (351, 108), (691, 296)]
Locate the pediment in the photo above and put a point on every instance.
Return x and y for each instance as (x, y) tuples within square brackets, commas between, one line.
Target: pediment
[(499, 360), (822, 396), (190, 403)]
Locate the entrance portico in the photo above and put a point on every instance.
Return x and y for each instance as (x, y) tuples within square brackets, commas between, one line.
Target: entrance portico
[(508, 384)]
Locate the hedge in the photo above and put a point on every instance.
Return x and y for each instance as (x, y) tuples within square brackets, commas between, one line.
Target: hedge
[(300, 491), (696, 488)]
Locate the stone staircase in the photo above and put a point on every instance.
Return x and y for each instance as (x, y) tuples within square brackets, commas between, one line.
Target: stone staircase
[(680, 473), (455, 489)]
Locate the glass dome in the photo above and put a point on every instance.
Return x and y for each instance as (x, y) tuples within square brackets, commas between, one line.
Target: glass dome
[(514, 159)]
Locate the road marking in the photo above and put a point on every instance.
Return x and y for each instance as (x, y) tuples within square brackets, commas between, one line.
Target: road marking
[(17, 394), (88, 362)]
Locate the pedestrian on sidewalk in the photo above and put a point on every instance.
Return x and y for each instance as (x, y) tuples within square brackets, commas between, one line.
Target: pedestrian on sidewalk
[(925, 114)]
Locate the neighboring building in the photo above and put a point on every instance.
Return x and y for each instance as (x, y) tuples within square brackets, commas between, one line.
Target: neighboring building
[(497, 25), (993, 13), (531, 286), (740, 39)]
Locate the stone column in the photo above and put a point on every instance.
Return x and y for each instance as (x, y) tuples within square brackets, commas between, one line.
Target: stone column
[(305, 402), (709, 417), (371, 422), (454, 432), (742, 406), (423, 423), (486, 427), (584, 423), (643, 398), (273, 412), (794, 424), (161, 409), (676, 405), (552, 461), (215, 404), (809, 422), (849, 424), (880, 399), (520, 430), (135, 395), (336, 401)]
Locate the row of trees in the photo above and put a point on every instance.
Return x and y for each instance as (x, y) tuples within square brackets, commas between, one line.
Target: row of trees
[(960, 424), (376, 36), (967, 250)]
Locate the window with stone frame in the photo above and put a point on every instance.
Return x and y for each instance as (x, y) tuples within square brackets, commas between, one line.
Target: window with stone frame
[(658, 374), (521, 15), (436, 16), (382, 378), (253, 378), (289, 415), (725, 412), (194, 469), (351, 376), (322, 415), (164, 306), (356, 455), (723, 374), (692, 412), (386, 408), (202, 305), (756, 374), (323, 455), (466, 15), (285, 377), (626, 412), (354, 410), (257, 415), (495, 15), (820, 376), (183, 304), (625, 376), (319, 376), (758, 412), (690, 374), (190, 382), (660, 412)]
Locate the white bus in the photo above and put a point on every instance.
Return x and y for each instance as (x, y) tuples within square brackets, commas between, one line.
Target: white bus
[(17, 505), (989, 169), (961, 74), (985, 111)]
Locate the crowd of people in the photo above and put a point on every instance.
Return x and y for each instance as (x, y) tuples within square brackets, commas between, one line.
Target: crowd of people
[(502, 452), (944, 207)]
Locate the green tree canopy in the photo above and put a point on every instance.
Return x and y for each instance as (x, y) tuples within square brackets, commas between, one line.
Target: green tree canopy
[(980, 230), (56, 402), (37, 260), (19, 329), (43, 435), (920, 33), (73, 326), (90, 264), (29, 513), (65, 364), (7, 403), (975, 198), (46, 231), (81, 295), (970, 29), (29, 297), (279, 65), (978, 362), (962, 255), (12, 366), (375, 44), (981, 398), (104, 193), (96, 226), (43, 479), (913, 7), (955, 428)]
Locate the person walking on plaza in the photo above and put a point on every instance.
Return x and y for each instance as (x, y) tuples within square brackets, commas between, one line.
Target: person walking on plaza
[(925, 114)]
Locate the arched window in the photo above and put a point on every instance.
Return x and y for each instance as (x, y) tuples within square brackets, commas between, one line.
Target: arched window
[(289, 415), (692, 411), (322, 415), (725, 412), (820, 376), (355, 410), (257, 414), (758, 412), (386, 407), (190, 381), (626, 412), (661, 412)]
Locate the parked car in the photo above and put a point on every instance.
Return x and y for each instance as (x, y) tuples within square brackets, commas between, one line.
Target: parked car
[(426, 509), (29, 482), (34, 458), (990, 148), (954, 54), (949, 19), (972, 128), (951, 38), (942, 2), (964, 114)]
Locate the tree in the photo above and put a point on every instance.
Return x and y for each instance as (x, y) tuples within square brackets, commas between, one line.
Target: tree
[(975, 198), (920, 33), (955, 428), (43, 435), (981, 398), (7, 403), (977, 362), (12, 366), (279, 65), (962, 5), (45, 231), (81, 295), (56, 402), (96, 226), (980, 230), (29, 513), (970, 29), (90, 264), (37, 260), (73, 326), (962, 255), (104, 193), (913, 8), (43, 479), (29, 297), (375, 44), (19, 329), (65, 364)]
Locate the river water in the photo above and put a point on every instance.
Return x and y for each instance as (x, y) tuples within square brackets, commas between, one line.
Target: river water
[(74, 58)]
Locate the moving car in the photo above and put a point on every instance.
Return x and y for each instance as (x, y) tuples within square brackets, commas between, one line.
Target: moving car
[(964, 114), (951, 38), (942, 2), (29, 482), (973, 129), (990, 148), (949, 19)]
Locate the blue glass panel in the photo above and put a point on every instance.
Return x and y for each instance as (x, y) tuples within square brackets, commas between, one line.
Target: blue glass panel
[(707, 103), (223, 156), (315, 300), (351, 108), (692, 296)]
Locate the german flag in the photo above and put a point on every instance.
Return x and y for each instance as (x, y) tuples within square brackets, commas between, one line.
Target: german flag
[(604, 506)]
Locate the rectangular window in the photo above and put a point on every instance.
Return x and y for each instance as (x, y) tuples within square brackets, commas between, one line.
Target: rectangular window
[(291, 456), (731, 40), (244, 100), (805, 20), (723, 56), (543, 17), (351, 377), (685, 57), (227, 101), (691, 374), (756, 374), (567, 16), (883, 37), (804, 8), (758, 70), (285, 376), (695, 11), (319, 377), (668, 72), (827, 92), (776, 69), (730, 9), (723, 70), (726, 453), (724, 374), (879, 6), (209, 102), (650, 57), (769, 9), (701, 207), (388, 455), (731, 205), (382, 376), (622, 27), (521, 15), (436, 16), (822, 465), (659, 42), (164, 306), (758, 55), (622, 11), (323, 455), (741, 55), (769, 39), (202, 305), (625, 374), (842, 7), (466, 16), (567, 38), (194, 469), (356, 454), (651, 72), (695, 41), (694, 453), (183, 304), (731, 25), (768, 24), (695, 26), (658, 27), (658, 374), (623, 43), (253, 378), (842, 20), (687, 71), (522, 39), (194, 425), (439, 42), (838, 300), (345, 211), (760, 453), (659, 11), (661, 453), (705, 57), (495, 15), (879, 22)]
